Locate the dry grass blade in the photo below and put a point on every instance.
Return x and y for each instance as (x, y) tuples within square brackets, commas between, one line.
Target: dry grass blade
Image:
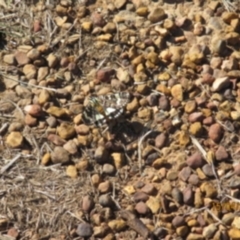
[(15, 105), (139, 149), (4, 127), (199, 146), (229, 6), (28, 84), (8, 165), (205, 155)]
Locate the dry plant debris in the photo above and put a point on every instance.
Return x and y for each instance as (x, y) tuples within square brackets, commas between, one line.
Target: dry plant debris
[(167, 167)]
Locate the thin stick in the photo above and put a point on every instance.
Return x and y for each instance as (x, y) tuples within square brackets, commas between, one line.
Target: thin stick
[(200, 148), (12, 15), (3, 128), (46, 194), (139, 149), (232, 198), (6, 167), (74, 215), (15, 105), (28, 84), (101, 63), (204, 153), (214, 216), (229, 6), (38, 150)]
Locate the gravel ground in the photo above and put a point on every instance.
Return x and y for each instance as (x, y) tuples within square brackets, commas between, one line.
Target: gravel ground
[(168, 167)]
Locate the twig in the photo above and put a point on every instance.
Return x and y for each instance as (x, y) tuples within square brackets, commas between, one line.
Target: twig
[(114, 196), (214, 216), (101, 63), (204, 153), (155, 24), (3, 128), (74, 215), (80, 38), (15, 105), (28, 84), (198, 145), (46, 194), (229, 6), (125, 153), (232, 198), (117, 28), (139, 149), (47, 147), (8, 16), (2, 116), (38, 149), (6, 167), (224, 126)]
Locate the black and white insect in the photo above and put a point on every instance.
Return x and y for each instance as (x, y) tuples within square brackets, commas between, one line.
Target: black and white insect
[(101, 110)]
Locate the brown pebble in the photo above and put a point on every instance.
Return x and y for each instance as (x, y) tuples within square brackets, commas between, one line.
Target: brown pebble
[(55, 139), (164, 103), (175, 103), (71, 147), (141, 208), (208, 121), (101, 155), (104, 75), (140, 196), (34, 110), (172, 175), (194, 179), (84, 230), (30, 120), (152, 99), (221, 154), (60, 155), (82, 129), (96, 179), (188, 195), (207, 78), (21, 58), (185, 173), (177, 195), (207, 170), (87, 204), (149, 189), (13, 232), (82, 165), (215, 132), (178, 221), (105, 200), (160, 140), (156, 15), (108, 169), (195, 160), (195, 117), (105, 187), (97, 19)]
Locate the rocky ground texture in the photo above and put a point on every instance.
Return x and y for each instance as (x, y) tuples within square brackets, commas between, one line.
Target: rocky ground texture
[(170, 170)]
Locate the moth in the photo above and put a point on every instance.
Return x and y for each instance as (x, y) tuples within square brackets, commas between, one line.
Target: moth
[(101, 110)]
